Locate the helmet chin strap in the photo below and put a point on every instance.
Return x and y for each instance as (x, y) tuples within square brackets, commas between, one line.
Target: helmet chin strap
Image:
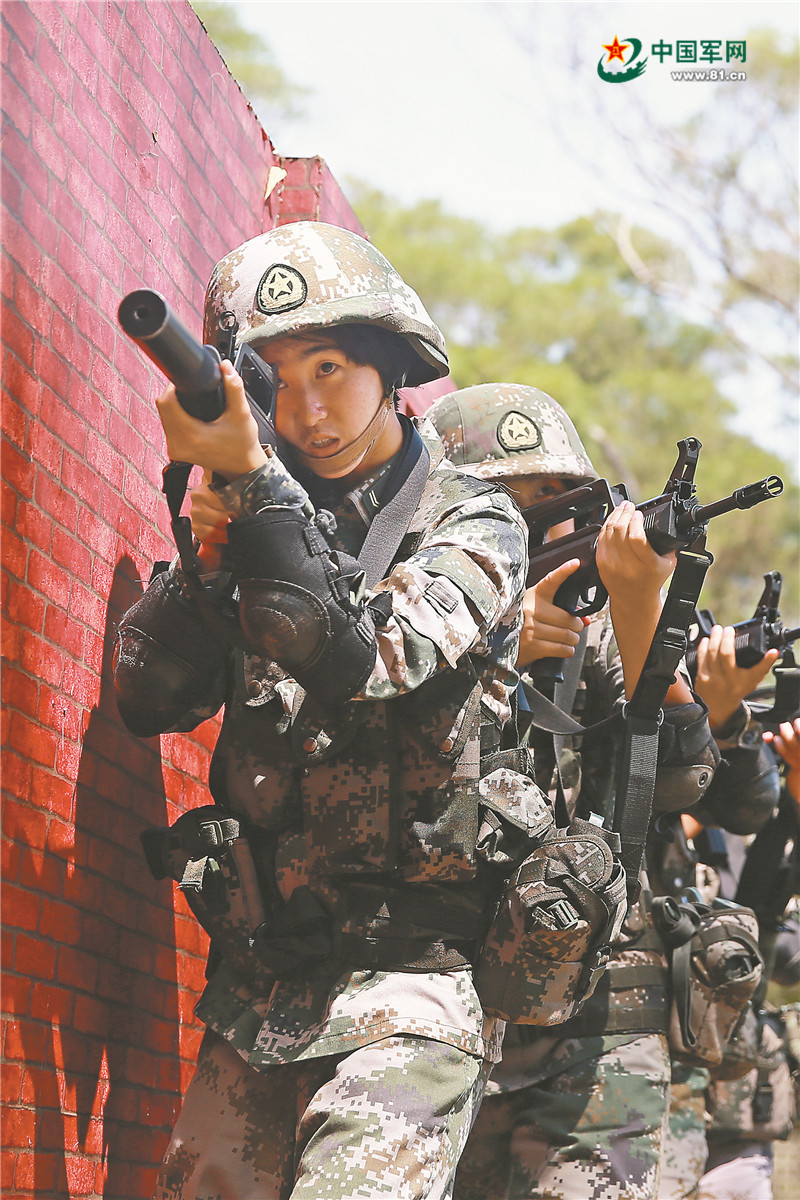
[(348, 458)]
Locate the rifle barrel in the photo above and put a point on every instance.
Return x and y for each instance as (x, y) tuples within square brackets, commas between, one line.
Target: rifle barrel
[(193, 368), (743, 497)]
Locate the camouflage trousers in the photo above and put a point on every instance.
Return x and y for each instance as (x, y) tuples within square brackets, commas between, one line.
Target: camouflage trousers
[(685, 1144), (387, 1120), (592, 1131)]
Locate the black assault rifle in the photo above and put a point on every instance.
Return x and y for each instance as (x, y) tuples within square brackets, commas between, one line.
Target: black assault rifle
[(674, 520), (764, 631), (193, 368)]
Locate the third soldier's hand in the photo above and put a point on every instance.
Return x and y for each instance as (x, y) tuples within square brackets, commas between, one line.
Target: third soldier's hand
[(548, 631)]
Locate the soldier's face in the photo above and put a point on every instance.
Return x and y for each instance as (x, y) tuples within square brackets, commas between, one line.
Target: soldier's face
[(529, 490), (324, 400)]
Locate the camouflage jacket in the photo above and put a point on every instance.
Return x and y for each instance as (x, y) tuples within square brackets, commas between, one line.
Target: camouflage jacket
[(372, 810)]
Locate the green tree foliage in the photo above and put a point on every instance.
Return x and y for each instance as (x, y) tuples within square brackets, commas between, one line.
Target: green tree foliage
[(250, 60), (561, 310)]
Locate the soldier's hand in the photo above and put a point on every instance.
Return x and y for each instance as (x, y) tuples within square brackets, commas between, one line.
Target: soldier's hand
[(626, 562), (229, 446), (787, 743), (548, 631), (719, 682), (209, 523)]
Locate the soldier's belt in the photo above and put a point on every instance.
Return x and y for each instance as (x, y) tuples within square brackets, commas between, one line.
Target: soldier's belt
[(628, 999)]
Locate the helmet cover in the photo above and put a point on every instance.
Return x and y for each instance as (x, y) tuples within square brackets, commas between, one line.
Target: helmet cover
[(309, 275), (498, 430)]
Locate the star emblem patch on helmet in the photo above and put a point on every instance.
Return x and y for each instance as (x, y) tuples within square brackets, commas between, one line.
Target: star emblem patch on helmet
[(518, 432), (281, 288)]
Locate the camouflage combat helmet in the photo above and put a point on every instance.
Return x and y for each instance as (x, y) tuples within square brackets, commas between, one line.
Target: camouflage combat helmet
[(311, 275), (497, 430)]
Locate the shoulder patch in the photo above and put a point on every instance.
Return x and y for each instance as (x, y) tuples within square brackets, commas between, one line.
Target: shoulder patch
[(516, 431), (281, 288)]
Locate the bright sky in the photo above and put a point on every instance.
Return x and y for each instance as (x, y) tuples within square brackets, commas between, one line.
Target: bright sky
[(441, 100), (446, 101)]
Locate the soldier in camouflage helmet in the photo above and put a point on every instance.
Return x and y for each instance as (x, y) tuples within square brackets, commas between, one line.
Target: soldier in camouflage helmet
[(578, 1112), (366, 665)]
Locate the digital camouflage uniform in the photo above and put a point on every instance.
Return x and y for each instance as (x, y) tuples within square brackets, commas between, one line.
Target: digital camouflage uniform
[(577, 1112), (355, 1069)]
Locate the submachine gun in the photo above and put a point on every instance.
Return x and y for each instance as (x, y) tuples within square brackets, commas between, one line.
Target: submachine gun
[(753, 638), (674, 520)]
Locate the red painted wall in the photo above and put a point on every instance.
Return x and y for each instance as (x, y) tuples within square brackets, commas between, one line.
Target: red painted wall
[(130, 158)]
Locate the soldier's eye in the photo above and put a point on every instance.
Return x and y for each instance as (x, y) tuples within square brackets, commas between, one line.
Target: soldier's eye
[(327, 368)]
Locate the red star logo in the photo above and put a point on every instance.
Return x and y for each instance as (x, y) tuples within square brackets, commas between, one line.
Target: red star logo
[(615, 50)]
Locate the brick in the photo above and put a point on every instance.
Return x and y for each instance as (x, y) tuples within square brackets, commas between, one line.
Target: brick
[(10, 856), (35, 526), (19, 1128), (17, 106), (16, 782), (23, 25), (97, 28), (81, 684), (47, 578), (59, 287), (71, 554), (18, 336), (34, 957), (20, 908), (77, 969), (18, 471), (54, 68), (53, 794), (54, 500), (17, 240), (10, 1084), (19, 690), (32, 307), (31, 81), (31, 741), (49, 147), (25, 608), (86, 192), (103, 254)]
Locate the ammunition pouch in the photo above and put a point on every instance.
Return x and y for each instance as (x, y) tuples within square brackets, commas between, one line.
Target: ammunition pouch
[(715, 967), (297, 603), (211, 856), (761, 1104), (551, 937)]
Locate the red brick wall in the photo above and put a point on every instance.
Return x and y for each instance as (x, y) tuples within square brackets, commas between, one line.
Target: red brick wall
[(130, 158)]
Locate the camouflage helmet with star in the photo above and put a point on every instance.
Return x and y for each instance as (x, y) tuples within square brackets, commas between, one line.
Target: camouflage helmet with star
[(310, 275), (499, 430)]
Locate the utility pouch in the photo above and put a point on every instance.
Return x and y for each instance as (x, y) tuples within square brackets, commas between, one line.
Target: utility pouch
[(762, 1105), (207, 853), (715, 967), (551, 936)]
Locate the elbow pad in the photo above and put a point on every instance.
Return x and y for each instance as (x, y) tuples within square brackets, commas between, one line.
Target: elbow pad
[(296, 603), (164, 661), (687, 757), (745, 791)]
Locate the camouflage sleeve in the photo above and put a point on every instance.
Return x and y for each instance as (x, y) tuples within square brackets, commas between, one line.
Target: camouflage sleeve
[(458, 592)]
